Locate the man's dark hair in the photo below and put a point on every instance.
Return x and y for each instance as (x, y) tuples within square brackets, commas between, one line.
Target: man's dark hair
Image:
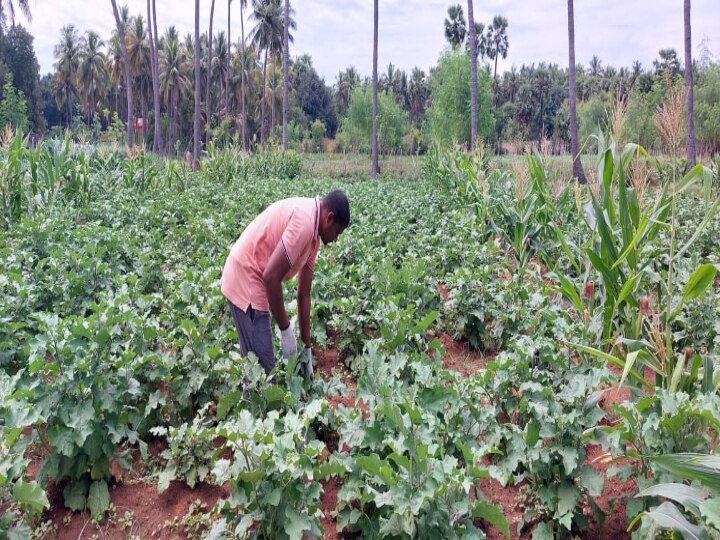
[(337, 203)]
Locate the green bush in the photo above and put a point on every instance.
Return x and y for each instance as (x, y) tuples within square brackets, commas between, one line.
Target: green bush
[(449, 112), (356, 127)]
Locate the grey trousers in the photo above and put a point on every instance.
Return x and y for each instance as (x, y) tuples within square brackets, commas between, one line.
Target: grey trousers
[(254, 334)]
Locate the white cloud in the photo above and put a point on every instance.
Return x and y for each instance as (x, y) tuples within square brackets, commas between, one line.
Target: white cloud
[(338, 33)]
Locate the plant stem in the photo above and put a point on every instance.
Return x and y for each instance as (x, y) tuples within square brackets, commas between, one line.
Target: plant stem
[(668, 288)]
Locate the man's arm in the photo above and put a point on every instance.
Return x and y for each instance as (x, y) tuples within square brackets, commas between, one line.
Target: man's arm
[(277, 266), (304, 285)]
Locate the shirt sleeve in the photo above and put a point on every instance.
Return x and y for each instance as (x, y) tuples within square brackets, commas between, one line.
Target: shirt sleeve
[(297, 235)]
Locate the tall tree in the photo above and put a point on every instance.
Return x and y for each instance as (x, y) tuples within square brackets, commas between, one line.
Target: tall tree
[(174, 79), (152, 34), (128, 77), (497, 42), (243, 4), (7, 12), (375, 165), (691, 157), (140, 59), (455, 29), (229, 56), (196, 116), (67, 54), (266, 35), (208, 107), (286, 63), (473, 76), (92, 76), (18, 54), (578, 171)]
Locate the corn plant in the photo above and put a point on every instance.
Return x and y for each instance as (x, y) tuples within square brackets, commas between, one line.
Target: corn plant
[(699, 501)]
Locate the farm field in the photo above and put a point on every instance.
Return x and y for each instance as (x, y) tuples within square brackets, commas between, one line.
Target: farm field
[(499, 353)]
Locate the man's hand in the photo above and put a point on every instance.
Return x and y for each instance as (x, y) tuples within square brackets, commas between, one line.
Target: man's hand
[(308, 362), (288, 342)]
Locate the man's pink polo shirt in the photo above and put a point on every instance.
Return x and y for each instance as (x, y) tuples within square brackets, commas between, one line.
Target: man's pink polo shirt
[(290, 222)]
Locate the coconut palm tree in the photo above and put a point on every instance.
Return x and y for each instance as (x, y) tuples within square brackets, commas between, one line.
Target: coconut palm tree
[(7, 12), (691, 157), (473, 77), (375, 165), (174, 79), (346, 81), (92, 75), (455, 29), (128, 76), (268, 26), (196, 116), (208, 106), (67, 54), (578, 171), (140, 58), (221, 64), (285, 72)]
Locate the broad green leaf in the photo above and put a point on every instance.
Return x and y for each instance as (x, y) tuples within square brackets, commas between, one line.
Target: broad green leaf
[(31, 496), (326, 470), (165, 477), (710, 510), (591, 480), (98, 499), (295, 524), (667, 516), (532, 433), (568, 498), (75, 495), (699, 281), (493, 515), (227, 402), (691, 498), (701, 467), (401, 460)]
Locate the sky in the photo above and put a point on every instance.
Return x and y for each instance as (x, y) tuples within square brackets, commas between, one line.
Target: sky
[(338, 33)]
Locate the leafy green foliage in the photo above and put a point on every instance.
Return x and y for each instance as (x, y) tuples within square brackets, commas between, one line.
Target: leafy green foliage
[(356, 126), (449, 111)]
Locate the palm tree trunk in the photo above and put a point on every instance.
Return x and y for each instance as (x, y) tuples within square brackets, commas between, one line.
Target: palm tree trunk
[(196, 116), (229, 66), (272, 95), (691, 157), (242, 77), (262, 97), (473, 77), (208, 109), (143, 105), (128, 77), (286, 62), (154, 44), (375, 167), (578, 171)]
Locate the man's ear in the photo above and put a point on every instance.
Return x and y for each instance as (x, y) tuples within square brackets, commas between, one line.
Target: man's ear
[(330, 217)]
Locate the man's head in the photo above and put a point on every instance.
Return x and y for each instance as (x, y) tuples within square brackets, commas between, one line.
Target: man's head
[(334, 216)]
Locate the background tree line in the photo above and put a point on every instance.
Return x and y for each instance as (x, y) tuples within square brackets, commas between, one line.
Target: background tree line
[(241, 96)]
